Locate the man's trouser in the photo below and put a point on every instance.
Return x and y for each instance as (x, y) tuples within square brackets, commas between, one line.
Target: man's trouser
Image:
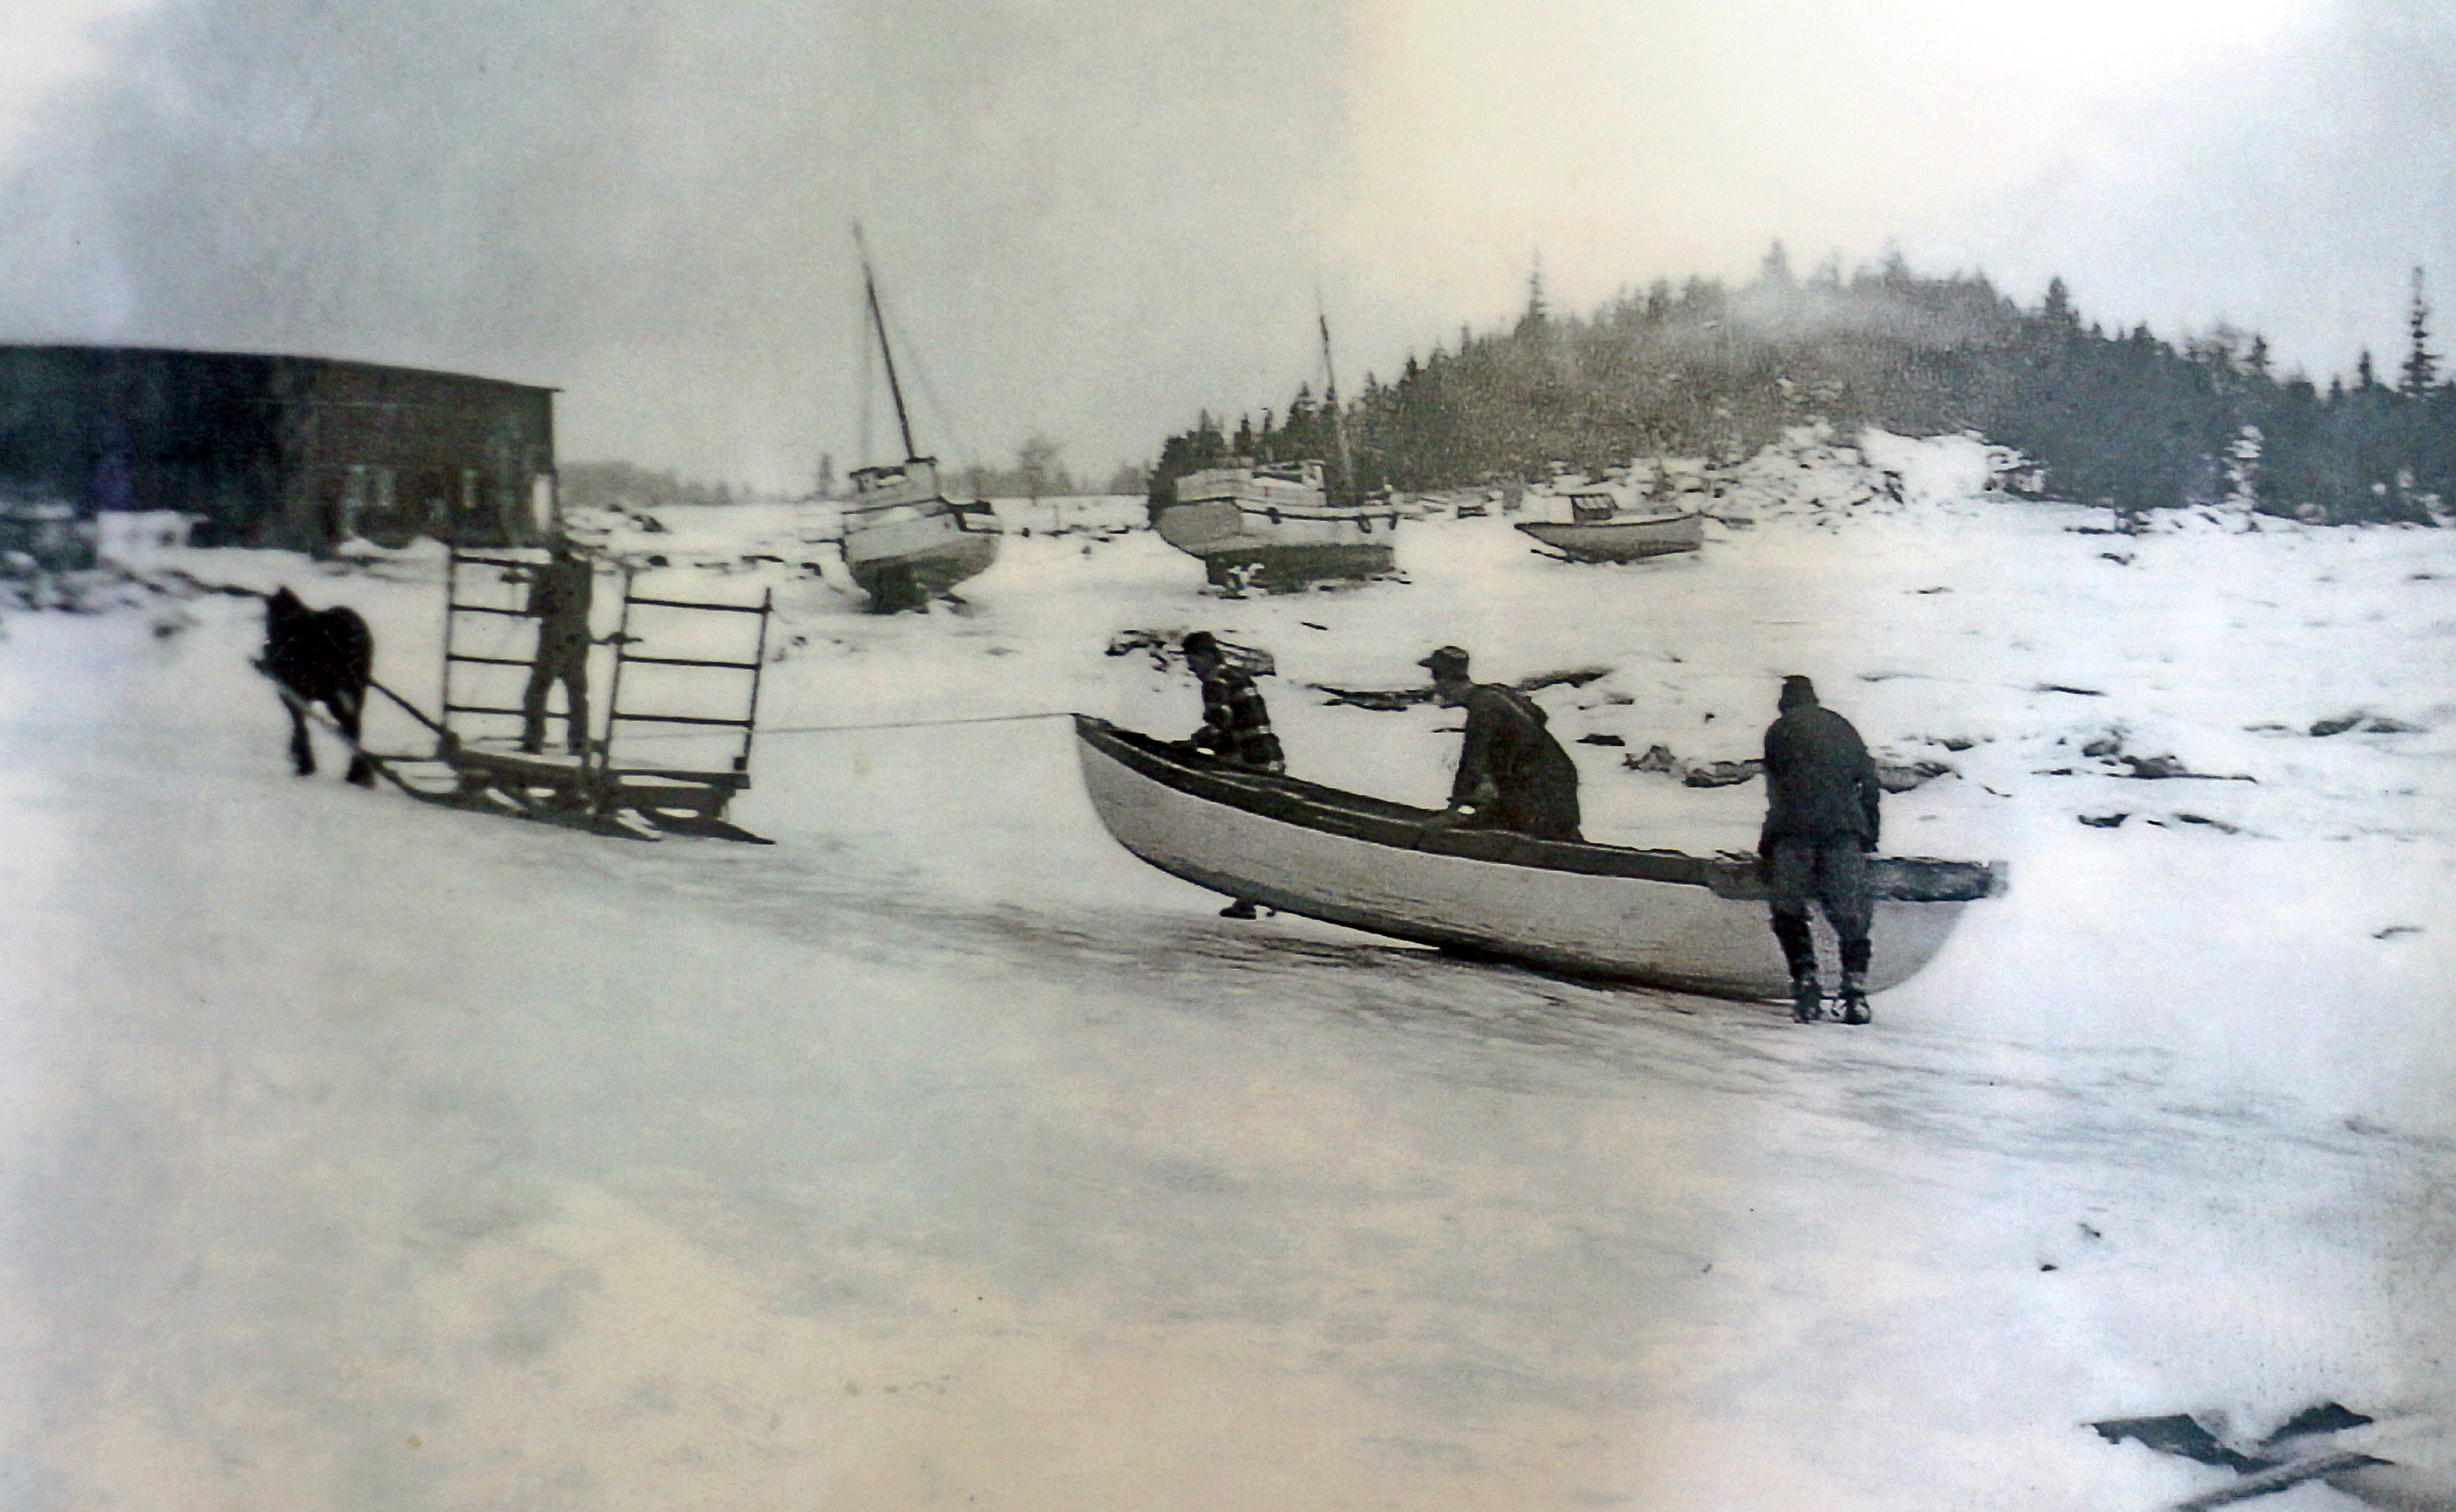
[(1831, 872), (564, 662)]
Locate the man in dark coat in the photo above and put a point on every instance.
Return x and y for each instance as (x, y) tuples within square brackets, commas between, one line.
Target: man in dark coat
[(1511, 773), (1821, 796), (561, 589)]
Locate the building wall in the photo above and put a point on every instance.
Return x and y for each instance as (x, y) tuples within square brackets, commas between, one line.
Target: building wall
[(275, 451)]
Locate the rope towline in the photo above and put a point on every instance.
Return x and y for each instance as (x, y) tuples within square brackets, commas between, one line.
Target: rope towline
[(910, 723)]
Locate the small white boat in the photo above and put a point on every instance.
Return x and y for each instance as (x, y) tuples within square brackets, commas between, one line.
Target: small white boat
[(1658, 917), (1271, 526), (1598, 530), (904, 540)]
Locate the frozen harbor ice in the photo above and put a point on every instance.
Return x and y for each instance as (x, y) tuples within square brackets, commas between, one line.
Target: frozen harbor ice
[(363, 1155)]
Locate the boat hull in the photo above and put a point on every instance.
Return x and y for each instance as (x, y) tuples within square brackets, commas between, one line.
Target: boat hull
[(1272, 548), (904, 562), (1620, 540), (1654, 917)]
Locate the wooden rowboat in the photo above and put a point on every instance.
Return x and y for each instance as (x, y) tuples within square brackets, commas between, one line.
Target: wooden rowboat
[(1659, 917)]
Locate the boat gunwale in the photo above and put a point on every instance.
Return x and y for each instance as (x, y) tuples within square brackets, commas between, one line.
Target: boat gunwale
[(1402, 826)]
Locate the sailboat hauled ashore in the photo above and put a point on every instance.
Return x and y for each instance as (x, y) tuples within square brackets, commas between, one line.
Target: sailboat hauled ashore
[(905, 541), (1277, 525)]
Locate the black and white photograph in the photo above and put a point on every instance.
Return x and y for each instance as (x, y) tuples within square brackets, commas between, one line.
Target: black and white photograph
[(1070, 756)]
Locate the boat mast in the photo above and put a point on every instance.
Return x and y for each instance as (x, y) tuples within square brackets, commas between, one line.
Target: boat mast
[(1330, 397), (878, 322)]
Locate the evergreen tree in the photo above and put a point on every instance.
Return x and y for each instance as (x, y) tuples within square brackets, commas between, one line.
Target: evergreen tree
[(2421, 363)]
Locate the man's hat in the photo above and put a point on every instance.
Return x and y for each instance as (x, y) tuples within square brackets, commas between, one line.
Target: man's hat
[(1201, 643), (1448, 658), (1796, 690)]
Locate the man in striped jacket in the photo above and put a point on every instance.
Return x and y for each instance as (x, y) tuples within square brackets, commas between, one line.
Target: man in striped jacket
[(1236, 723)]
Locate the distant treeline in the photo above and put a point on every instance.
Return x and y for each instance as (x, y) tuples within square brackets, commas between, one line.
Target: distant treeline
[(1039, 472), (2115, 417), (626, 485)]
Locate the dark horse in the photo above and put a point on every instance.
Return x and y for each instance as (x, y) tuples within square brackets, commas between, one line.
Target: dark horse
[(319, 656)]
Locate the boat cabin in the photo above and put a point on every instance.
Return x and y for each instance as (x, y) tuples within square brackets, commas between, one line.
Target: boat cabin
[(1262, 485), (912, 482)]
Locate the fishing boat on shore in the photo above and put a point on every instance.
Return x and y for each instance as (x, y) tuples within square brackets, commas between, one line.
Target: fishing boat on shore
[(1658, 917), (1273, 526), (1281, 525), (905, 541), (1599, 529)]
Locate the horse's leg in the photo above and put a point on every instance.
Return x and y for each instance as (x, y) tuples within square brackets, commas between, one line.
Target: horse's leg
[(302, 756), (348, 706)]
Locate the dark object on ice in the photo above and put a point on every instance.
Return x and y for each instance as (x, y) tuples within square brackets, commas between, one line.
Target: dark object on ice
[(2059, 687), (2104, 821), (1821, 821), (1600, 740), (1657, 759), (1917, 774), (2155, 767), (2368, 723), (1721, 774), (2395, 929), (1392, 700), (318, 655), (2218, 824), (1511, 773), (2286, 1457), (2177, 1434)]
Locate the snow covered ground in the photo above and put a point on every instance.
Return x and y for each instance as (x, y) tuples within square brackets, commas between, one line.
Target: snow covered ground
[(363, 1154)]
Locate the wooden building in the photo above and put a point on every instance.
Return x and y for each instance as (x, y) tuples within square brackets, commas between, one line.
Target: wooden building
[(278, 451)]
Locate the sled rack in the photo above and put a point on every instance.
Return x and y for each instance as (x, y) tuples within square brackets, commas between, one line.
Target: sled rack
[(479, 733)]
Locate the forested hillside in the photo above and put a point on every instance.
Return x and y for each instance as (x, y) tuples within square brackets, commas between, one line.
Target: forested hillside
[(2121, 417)]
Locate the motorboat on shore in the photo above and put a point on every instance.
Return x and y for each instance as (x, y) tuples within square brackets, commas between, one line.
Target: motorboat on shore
[(1276, 526), (1599, 529), (905, 541), (1268, 526)]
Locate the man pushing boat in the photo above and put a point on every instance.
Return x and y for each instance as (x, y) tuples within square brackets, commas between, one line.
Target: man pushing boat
[(1821, 796), (1511, 773)]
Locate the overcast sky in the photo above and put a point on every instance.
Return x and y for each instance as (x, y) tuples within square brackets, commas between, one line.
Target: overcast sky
[(1093, 218)]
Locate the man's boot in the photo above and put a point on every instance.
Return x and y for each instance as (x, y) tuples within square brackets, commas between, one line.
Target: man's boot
[(1807, 998), (1854, 980)]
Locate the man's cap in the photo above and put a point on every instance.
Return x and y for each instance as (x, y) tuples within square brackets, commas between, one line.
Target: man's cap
[(1199, 643), (1448, 658), (1796, 689)]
